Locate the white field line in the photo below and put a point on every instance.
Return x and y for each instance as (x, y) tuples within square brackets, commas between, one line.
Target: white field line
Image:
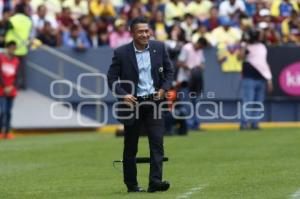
[(296, 195), (191, 191)]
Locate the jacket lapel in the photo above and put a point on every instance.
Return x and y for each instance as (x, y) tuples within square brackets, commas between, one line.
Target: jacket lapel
[(133, 57), (153, 55)]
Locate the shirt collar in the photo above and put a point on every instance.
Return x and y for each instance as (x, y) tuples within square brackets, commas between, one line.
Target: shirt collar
[(140, 51)]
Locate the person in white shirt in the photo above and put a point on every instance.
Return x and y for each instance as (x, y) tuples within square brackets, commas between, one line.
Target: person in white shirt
[(230, 8), (78, 7), (189, 25), (191, 56), (53, 6), (191, 64), (256, 79), (40, 18)]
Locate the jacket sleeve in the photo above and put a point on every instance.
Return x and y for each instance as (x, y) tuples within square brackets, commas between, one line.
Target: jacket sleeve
[(168, 70), (113, 74)]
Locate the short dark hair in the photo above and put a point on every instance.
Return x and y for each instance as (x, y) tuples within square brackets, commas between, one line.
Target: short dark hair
[(294, 13), (40, 7), (5, 10), (253, 36), (10, 44), (64, 9), (138, 20), (188, 15), (21, 8), (202, 41), (74, 27)]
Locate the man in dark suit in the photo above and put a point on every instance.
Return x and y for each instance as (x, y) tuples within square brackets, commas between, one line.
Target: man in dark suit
[(140, 75)]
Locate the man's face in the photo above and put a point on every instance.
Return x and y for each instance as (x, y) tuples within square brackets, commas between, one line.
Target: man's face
[(189, 20), (68, 12), (121, 28), (214, 12), (196, 46), (202, 29), (47, 28), (226, 27), (42, 11), (93, 28), (11, 50), (6, 16), (141, 33), (75, 33)]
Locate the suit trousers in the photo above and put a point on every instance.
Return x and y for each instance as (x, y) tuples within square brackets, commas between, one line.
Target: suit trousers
[(154, 127)]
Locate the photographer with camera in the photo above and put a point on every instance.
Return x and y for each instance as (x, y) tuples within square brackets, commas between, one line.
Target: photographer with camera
[(256, 76)]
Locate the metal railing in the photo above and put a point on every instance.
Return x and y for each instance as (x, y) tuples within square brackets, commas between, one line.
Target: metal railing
[(61, 75)]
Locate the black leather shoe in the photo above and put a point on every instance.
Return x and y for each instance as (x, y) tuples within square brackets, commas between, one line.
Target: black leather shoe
[(162, 186), (135, 189)]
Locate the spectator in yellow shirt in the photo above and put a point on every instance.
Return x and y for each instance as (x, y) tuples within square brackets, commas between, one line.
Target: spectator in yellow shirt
[(159, 28), (291, 29), (53, 6), (201, 32), (78, 7), (19, 32), (102, 8), (225, 34), (200, 9), (174, 10), (279, 8), (226, 39)]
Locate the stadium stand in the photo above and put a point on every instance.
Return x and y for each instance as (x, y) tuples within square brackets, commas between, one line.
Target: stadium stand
[(107, 16)]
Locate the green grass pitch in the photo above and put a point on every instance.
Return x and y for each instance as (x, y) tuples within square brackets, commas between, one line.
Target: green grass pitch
[(225, 164)]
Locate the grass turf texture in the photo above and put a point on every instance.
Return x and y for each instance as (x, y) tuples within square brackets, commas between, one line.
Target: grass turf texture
[(226, 164)]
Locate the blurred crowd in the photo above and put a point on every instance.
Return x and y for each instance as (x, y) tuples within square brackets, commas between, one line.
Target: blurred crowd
[(94, 23)]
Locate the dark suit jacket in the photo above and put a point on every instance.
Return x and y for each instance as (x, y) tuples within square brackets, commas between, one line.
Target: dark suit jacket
[(124, 67)]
